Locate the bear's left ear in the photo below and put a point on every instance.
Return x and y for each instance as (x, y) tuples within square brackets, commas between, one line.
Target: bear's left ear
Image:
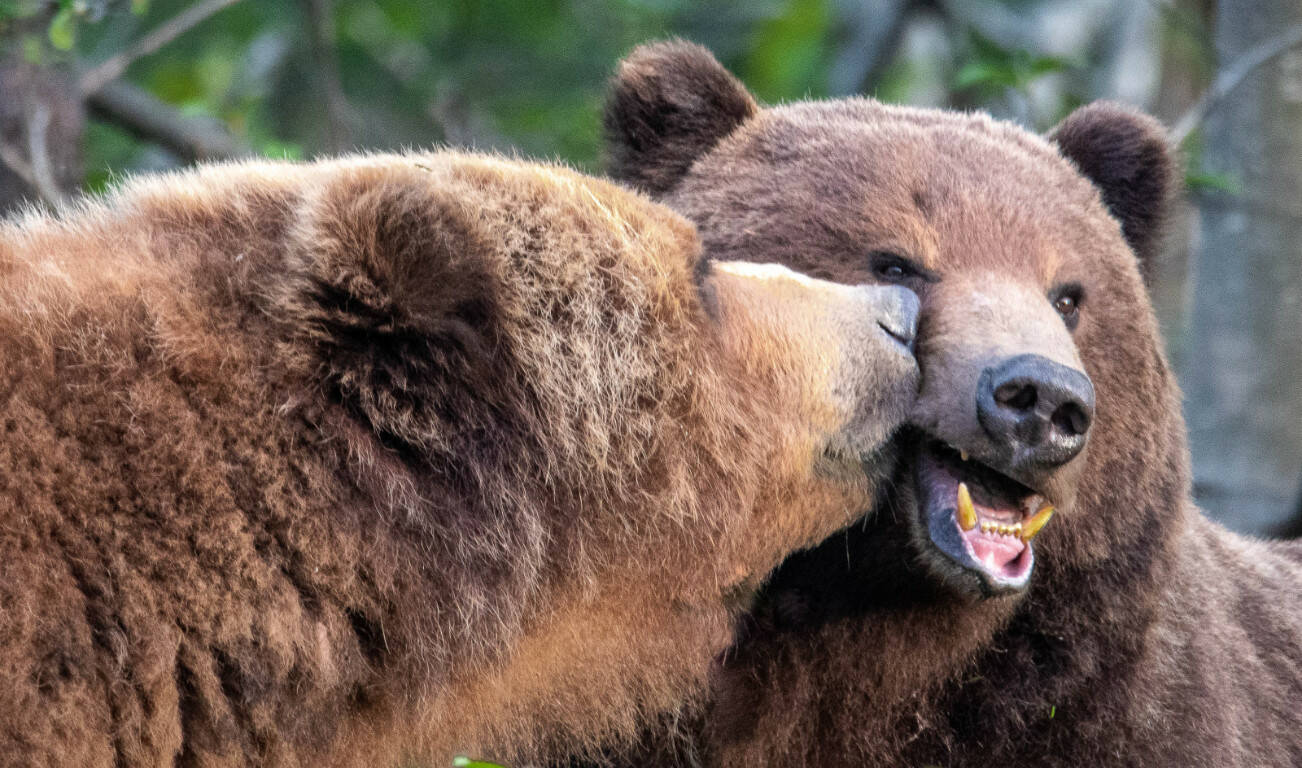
[(1127, 156), (669, 103)]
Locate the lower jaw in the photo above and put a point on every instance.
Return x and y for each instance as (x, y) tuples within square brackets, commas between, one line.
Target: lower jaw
[(944, 538), (947, 549)]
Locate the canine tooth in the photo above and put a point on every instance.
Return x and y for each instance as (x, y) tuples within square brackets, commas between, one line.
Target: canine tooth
[(962, 455), (1031, 527), (967, 516)]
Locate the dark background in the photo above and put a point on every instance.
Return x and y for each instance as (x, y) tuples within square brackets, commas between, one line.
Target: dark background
[(90, 89)]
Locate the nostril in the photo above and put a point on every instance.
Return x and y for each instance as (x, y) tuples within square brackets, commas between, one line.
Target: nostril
[(1071, 419), (1019, 396)]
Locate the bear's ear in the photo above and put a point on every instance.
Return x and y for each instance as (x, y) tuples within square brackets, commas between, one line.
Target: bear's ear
[(388, 251), (1127, 156), (393, 297), (669, 103)]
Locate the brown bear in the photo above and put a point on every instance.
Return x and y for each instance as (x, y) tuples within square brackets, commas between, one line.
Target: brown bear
[(1131, 630), (389, 458)]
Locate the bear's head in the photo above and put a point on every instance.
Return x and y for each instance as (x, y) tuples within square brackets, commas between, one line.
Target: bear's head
[(1045, 392), (620, 436), (529, 333)]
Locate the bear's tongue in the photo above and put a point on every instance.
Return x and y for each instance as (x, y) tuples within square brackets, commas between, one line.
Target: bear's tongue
[(995, 553), (981, 519), (995, 545)]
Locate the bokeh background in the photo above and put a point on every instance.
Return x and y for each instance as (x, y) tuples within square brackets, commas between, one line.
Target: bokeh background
[(92, 89)]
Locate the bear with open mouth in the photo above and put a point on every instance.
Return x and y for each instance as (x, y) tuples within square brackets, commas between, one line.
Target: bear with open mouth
[(1036, 586)]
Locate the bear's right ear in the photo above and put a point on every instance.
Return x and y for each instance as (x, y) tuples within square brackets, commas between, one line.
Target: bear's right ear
[(669, 103), (1125, 153)]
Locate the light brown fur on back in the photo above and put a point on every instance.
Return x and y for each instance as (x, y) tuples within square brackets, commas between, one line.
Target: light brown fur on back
[(395, 457)]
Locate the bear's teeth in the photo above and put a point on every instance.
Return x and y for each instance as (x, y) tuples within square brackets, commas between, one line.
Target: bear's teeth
[(1037, 522), (967, 516)]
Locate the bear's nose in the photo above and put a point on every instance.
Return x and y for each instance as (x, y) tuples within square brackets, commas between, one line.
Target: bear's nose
[(1036, 410)]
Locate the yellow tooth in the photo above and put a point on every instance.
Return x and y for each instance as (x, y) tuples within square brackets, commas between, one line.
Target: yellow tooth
[(962, 455), (967, 516), (1031, 527)]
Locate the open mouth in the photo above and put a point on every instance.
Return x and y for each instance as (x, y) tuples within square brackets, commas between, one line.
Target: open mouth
[(979, 518)]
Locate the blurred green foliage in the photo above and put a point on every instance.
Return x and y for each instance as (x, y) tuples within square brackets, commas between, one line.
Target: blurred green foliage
[(524, 76), (993, 67)]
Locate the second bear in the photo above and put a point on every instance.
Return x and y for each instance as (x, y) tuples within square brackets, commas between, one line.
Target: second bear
[(961, 626), (379, 460)]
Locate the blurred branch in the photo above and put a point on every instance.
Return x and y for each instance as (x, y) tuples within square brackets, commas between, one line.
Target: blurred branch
[(1232, 75), (38, 150), (14, 161), (35, 170), (150, 119), (112, 68), (881, 58), (321, 40)]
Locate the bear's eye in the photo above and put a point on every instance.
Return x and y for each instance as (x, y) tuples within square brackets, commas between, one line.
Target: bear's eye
[(1066, 301), (893, 268)]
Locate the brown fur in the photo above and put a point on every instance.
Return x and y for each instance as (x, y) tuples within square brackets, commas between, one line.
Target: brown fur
[(390, 458), (1149, 636)]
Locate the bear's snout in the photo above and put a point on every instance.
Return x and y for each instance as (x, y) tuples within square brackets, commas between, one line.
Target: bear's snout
[(1037, 411), (898, 309)]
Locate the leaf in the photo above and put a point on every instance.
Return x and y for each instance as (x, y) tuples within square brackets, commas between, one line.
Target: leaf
[(140, 7), (986, 48), (787, 57), (280, 150), (465, 762), (984, 73), (1212, 182), (994, 66), (1045, 65), (63, 29)]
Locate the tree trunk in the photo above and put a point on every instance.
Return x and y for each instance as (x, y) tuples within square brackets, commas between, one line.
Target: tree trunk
[(1244, 363)]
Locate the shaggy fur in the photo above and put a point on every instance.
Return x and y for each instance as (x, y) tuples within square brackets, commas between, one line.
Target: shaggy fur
[(1149, 636), (390, 458)]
